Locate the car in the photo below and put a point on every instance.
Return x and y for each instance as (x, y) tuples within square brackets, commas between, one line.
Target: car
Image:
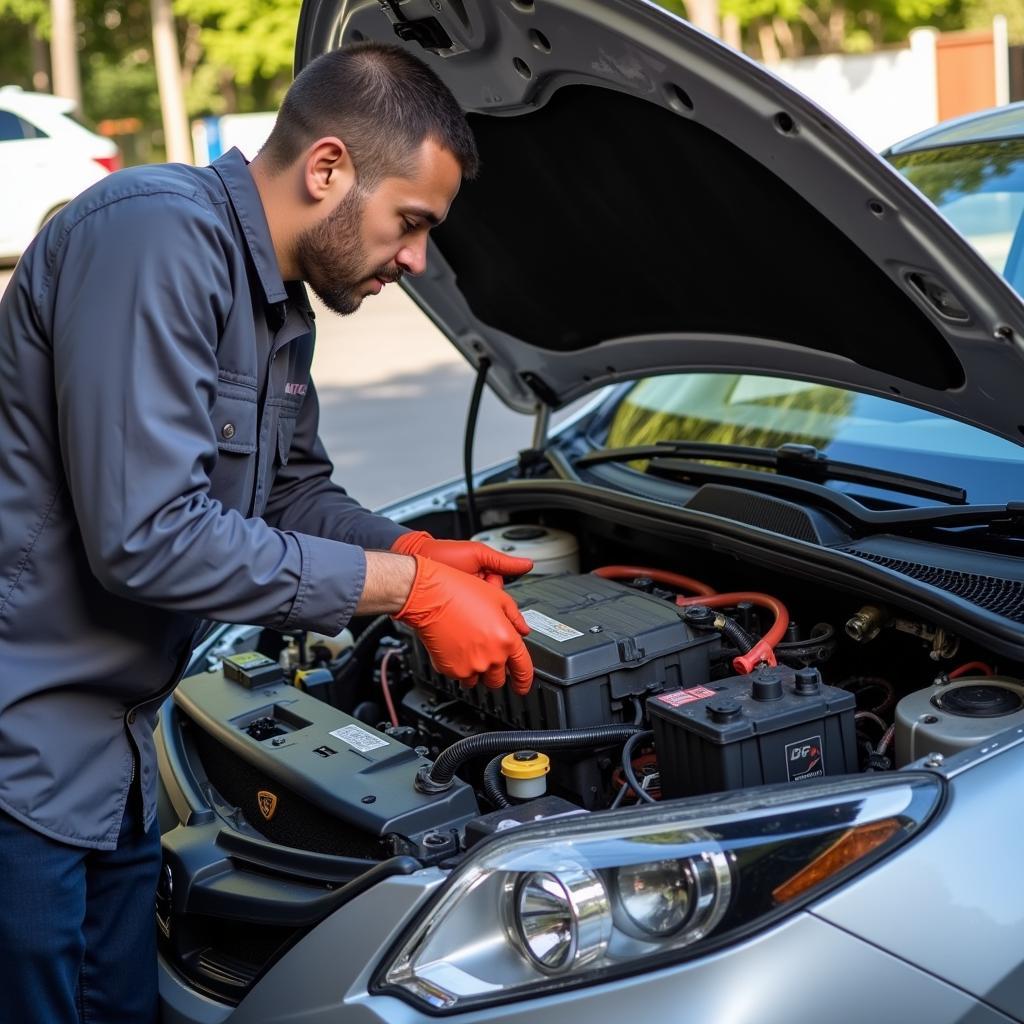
[(972, 168), (46, 158), (769, 765)]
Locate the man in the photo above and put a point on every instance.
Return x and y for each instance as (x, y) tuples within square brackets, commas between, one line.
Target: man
[(160, 466)]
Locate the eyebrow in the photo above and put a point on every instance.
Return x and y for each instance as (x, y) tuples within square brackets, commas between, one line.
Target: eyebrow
[(428, 215)]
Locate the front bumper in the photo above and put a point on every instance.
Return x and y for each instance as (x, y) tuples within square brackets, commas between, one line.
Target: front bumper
[(803, 969)]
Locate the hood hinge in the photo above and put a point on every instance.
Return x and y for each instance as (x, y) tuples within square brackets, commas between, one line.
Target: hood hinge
[(542, 390), (427, 29)]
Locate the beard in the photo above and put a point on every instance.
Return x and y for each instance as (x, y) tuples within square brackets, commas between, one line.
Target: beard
[(332, 259)]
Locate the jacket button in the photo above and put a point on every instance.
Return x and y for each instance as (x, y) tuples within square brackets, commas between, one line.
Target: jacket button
[(131, 717), (228, 431)]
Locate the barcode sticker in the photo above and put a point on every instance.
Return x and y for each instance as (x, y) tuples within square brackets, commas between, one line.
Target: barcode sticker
[(549, 627), (359, 738)]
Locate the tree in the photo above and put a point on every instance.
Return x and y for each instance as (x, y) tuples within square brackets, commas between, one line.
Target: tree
[(772, 29), (234, 57), (67, 81), (29, 66), (247, 48), (169, 82)]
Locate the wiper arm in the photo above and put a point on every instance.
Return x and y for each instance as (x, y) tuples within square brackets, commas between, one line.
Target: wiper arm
[(802, 461)]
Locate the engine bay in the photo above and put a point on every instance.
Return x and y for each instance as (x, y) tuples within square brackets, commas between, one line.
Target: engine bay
[(650, 685)]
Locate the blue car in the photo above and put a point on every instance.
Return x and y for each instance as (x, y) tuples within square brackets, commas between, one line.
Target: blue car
[(769, 766)]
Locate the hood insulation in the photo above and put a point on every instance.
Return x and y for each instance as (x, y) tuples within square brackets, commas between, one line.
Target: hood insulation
[(601, 216)]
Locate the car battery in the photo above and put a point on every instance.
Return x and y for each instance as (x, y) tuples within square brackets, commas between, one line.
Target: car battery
[(597, 647), (775, 725)]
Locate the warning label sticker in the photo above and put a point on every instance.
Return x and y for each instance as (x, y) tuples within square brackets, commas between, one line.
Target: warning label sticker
[(548, 626), (804, 759), (681, 697), (359, 738)]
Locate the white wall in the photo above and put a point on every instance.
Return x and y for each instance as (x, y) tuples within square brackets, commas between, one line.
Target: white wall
[(882, 97)]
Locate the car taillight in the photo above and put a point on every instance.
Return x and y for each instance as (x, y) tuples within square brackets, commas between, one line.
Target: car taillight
[(109, 163)]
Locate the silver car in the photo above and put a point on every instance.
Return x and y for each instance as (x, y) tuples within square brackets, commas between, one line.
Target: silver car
[(770, 763)]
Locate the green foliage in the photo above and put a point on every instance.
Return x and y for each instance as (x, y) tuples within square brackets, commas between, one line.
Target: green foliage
[(981, 12), (28, 12), (236, 57), (253, 39), (797, 27), (237, 54)]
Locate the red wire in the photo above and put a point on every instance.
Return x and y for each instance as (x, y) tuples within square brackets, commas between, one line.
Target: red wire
[(386, 688), (673, 579), (971, 666), (763, 650)]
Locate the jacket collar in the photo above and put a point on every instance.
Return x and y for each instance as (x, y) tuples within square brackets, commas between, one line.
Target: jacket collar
[(233, 170)]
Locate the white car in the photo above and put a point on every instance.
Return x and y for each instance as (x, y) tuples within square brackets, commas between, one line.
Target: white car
[(46, 159)]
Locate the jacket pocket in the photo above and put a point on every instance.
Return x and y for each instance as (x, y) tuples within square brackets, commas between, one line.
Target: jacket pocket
[(235, 418), (285, 434)]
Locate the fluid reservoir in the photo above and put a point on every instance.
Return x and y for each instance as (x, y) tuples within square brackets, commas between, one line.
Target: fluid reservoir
[(524, 773), (949, 717), (552, 551)]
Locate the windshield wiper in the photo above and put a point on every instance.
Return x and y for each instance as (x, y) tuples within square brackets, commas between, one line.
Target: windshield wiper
[(802, 461)]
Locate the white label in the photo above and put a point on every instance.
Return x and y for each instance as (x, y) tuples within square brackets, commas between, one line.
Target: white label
[(359, 738), (548, 626)]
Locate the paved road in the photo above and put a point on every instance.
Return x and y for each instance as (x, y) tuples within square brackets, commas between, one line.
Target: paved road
[(393, 396)]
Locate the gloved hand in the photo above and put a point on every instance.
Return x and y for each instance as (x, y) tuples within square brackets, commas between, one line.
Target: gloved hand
[(468, 555), (469, 629)]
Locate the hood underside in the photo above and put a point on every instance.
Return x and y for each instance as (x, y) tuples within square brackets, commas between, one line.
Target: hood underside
[(651, 201)]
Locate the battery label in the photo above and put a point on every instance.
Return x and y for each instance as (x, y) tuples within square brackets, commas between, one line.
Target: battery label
[(805, 759), (359, 738), (680, 697), (549, 627)]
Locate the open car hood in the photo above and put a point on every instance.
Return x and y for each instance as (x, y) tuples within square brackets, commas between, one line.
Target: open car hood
[(652, 201)]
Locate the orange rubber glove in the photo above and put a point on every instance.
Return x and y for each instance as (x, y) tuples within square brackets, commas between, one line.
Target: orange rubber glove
[(470, 629), (467, 555)]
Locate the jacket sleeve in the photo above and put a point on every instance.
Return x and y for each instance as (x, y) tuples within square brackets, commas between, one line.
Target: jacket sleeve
[(304, 498), (141, 291)]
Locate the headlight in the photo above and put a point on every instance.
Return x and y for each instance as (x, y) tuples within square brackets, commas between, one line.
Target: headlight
[(563, 920), (661, 898), (582, 900)]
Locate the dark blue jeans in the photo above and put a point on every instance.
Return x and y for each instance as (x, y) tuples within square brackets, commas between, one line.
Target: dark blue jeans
[(77, 932)]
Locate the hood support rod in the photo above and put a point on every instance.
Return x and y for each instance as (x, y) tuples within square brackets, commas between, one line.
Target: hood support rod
[(467, 444), (540, 427)]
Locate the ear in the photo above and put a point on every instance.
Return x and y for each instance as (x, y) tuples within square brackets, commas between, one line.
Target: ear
[(327, 170)]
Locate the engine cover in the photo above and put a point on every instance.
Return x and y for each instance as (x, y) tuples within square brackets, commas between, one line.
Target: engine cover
[(595, 644)]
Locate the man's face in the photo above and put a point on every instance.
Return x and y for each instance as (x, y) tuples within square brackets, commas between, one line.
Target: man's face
[(373, 238)]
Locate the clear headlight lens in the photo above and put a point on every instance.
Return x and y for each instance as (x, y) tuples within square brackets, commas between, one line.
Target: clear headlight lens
[(563, 919), (659, 898), (581, 900)]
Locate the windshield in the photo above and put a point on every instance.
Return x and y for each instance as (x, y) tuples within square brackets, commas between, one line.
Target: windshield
[(744, 409), (979, 187)]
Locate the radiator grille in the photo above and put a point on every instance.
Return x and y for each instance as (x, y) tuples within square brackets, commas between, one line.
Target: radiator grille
[(1003, 597)]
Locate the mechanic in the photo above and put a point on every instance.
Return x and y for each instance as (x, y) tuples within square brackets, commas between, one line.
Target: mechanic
[(161, 466)]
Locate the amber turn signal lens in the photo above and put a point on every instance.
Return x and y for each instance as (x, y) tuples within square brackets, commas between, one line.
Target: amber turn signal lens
[(848, 849)]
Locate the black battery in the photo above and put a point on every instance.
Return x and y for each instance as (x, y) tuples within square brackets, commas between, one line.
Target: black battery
[(775, 725)]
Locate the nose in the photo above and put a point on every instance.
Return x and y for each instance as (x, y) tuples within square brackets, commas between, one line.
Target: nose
[(412, 258)]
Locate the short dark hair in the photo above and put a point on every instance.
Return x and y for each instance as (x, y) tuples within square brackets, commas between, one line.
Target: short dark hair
[(381, 101)]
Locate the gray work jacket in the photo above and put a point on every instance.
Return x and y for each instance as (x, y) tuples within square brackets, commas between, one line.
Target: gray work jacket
[(159, 465)]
